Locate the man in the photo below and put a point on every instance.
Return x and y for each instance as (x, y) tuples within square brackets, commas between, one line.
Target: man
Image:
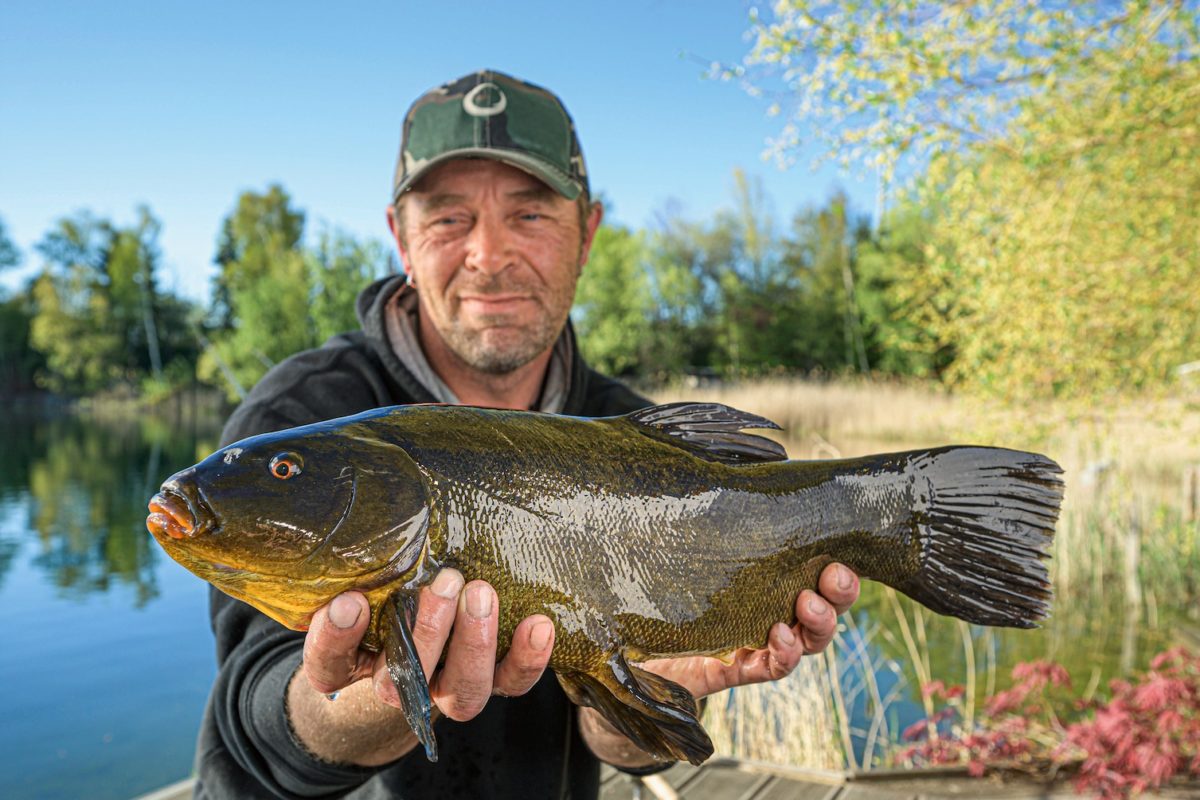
[(493, 220)]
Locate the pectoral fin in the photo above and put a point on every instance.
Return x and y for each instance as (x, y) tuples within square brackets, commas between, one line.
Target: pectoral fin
[(657, 715), (404, 665)]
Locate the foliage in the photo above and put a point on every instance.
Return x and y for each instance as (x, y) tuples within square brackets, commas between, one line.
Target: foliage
[(730, 295), (879, 79), (96, 313), (904, 303), (72, 326), (273, 298), (613, 309), (338, 268), (1074, 252), (18, 361), (1146, 733), (10, 256), (1053, 147)]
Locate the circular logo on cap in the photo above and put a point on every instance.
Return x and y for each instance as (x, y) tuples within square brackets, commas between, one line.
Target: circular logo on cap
[(472, 105)]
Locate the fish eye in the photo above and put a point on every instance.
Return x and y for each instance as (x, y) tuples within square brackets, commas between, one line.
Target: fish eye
[(286, 465)]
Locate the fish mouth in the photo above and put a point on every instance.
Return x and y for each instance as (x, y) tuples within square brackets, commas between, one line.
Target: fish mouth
[(174, 513)]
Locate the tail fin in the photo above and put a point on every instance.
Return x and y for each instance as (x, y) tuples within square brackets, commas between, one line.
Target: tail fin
[(985, 518)]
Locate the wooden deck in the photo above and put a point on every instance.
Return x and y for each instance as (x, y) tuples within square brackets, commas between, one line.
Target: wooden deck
[(731, 779), (747, 780)]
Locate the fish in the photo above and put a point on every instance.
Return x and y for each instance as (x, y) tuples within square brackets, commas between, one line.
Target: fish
[(670, 531)]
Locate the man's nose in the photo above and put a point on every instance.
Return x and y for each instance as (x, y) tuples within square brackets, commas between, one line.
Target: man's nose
[(489, 246)]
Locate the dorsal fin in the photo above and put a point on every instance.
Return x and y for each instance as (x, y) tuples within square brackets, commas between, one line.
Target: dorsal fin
[(710, 431)]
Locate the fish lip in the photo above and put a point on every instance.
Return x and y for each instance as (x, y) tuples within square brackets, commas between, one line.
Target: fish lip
[(175, 513)]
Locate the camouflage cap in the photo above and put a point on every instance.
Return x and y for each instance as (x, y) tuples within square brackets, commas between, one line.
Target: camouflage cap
[(492, 115)]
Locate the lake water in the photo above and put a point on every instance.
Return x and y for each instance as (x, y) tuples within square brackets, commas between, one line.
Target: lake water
[(107, 654)]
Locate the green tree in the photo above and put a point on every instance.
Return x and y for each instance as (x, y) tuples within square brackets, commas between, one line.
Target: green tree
[(904, 294), (1055, 144), (821, 254), (131, 263), (10, 256), (18, 361), (339, 267), (97, 309), (262, 292), (1074, 249), (73, 323), (614, 310)]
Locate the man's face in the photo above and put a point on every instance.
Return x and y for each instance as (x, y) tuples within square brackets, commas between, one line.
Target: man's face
[(495, 255)]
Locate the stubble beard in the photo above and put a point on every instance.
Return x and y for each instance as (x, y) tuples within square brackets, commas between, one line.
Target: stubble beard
[(497, 346)]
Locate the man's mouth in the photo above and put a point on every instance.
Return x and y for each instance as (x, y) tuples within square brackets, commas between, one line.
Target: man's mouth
[(494, 303)]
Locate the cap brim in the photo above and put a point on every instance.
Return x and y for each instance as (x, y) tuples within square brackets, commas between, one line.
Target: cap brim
[(552, 177)]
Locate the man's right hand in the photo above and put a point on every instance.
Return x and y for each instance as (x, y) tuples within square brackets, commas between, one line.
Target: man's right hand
[(460, 620)]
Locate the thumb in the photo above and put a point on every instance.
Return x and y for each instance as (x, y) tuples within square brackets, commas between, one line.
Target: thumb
[(331, 655)]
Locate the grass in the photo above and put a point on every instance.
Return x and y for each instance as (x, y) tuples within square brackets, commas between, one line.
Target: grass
[(1125, 563)]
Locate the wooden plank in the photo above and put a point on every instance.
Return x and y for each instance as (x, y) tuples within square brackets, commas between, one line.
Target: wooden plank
[(720, 783), (778, 788)]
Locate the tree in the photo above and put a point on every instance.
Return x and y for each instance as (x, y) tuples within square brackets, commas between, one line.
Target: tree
[(339, 267), (131, 263), (876, 80), (18, 361), (1053, 141), (72, 326), (10, 256), (614, 310), (262, 293), (904, 294), (1074, 249)]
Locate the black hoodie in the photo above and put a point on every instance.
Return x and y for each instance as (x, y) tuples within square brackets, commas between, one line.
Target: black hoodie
[(527, 747)]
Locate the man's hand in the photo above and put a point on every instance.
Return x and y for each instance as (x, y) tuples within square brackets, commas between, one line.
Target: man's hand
[(816, 622), (460, 620)]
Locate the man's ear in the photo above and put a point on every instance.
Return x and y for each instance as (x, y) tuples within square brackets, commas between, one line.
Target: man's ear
[(594, 217), (396, 226)]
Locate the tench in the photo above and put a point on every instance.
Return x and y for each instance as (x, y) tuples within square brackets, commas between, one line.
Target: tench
[(666, 532)]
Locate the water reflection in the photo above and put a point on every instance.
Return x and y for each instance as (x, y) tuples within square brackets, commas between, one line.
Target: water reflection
[(74, 489)]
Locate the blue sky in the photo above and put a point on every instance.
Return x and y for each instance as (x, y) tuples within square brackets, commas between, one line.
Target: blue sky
[(183, 106)]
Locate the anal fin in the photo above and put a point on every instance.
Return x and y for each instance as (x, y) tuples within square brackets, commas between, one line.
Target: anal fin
[(658, 715), (404, 665)]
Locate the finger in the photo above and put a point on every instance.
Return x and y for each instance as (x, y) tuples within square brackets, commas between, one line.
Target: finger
[(464, 683), (437, 606), (526, 658), (332, 659), (839, 585), (815, 621)]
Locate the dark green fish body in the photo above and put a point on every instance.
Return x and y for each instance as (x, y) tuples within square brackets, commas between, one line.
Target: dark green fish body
[(666, 532)]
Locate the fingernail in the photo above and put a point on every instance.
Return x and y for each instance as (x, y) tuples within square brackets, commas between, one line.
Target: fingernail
[(479, 602), (844, 578), (539, 637), (818, 606), (343, 612), (786, 636), (447, 584)]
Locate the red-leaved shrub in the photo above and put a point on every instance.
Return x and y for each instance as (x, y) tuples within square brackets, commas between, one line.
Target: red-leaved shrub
[(1146, 733)]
